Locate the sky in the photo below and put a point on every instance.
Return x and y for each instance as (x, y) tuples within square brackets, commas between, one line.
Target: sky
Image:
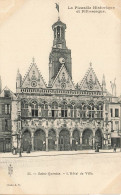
[(91, 37)]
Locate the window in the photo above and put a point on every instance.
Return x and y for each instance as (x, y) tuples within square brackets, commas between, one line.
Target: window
[(83, 110), (100, 110), (112, 126), (6, 125), (64, 110), (111, 111), (116, 125), (34, 107), (91, 110), (7, 93), (54, 109), (45, 109), (116, 112), (58, 32), (24, 108), (73, 110), (7, 108)]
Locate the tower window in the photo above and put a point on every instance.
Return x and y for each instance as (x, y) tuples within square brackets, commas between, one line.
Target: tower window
[(58, 32)]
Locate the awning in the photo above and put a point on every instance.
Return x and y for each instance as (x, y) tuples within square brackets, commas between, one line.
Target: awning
[(115, 135)]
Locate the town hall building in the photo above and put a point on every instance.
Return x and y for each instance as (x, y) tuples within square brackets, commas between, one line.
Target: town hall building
[(61, 115)]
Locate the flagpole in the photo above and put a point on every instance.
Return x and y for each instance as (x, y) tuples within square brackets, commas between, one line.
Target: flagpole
[(58, 12)]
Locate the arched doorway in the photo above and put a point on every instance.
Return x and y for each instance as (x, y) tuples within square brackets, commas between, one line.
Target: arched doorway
[(26, 140), (51, 139), (87, 139), (76, 139), (39, 140), (98, 138), (64, 140)]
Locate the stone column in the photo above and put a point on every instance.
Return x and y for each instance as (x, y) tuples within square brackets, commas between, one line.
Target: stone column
[(32, 141)]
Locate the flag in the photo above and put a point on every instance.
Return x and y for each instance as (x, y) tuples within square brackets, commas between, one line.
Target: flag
[(57, 7)]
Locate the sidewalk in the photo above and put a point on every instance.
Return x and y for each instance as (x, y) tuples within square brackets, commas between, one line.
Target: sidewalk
[(56, 153)]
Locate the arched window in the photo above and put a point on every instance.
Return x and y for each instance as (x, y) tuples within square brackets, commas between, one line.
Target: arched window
[(73, 110), (34, 108), (58, 32), (62, 33), (100, 110), (44, 109), (91, 110), (83, 110), (54, 109), (64, 109), (24, 108)]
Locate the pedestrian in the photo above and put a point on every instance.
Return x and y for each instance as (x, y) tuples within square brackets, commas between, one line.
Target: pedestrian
[(114, 149)]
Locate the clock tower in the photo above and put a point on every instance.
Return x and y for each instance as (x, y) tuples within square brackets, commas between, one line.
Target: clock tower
[(60, 54)]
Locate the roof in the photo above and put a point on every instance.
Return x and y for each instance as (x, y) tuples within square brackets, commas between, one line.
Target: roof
[(59, 23)]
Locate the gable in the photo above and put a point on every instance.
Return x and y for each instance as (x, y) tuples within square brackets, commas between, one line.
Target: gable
[(63, 80), (6, 92), (33, 79), (90, 82)]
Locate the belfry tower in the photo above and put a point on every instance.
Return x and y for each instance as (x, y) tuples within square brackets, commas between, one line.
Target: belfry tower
[(60, 54)]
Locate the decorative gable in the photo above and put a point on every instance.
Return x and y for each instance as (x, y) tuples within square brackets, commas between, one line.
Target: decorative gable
[(33, 79), (90, 81), (63, 80)]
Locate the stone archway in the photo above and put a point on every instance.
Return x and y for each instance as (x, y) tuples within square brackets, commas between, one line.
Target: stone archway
[(39, 140), (87, 139), (64, 139), (51, 139), (26, 140), (98, 137), (76, 139)]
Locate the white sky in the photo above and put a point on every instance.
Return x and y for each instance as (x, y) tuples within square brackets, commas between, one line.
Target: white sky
[(91, 37)]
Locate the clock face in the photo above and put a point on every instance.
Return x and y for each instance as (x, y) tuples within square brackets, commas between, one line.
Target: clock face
[(62, 60), (33, 83), (59, 45)]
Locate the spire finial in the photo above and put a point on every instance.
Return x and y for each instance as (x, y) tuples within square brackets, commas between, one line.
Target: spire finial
[(90, 64), (33, 60)]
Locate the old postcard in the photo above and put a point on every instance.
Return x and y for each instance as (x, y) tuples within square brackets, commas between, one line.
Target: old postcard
[(60, 97)]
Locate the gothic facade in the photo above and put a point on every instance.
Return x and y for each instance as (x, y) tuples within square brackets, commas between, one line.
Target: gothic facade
[(62, 115)]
